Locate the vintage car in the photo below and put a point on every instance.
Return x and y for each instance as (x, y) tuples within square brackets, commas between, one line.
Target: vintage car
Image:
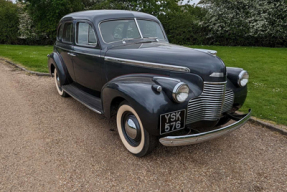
[(120, 63)]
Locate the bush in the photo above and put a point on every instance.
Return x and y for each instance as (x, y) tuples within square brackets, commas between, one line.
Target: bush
[(184, 27), (8, 22), (246, 22)]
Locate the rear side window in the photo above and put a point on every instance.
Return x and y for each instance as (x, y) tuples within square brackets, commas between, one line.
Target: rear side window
[(67, 32), (85, 34), (60, 32)]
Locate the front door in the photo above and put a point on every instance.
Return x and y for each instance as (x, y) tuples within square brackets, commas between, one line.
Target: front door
[(87, 61)]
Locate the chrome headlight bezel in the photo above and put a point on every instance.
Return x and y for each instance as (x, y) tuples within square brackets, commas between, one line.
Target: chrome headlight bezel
[(243, 78), (180, 89)]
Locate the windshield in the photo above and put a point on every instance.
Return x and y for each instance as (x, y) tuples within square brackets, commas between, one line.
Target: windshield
[(150, 29), (118, 30)]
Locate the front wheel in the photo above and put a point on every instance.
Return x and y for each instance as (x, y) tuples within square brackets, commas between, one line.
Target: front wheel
[(132, 133), (58, 84)]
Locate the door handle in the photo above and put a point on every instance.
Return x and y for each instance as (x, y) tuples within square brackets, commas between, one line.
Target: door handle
[(72, 54)]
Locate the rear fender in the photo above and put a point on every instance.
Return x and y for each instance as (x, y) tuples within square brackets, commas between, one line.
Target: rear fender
[(55, 60)]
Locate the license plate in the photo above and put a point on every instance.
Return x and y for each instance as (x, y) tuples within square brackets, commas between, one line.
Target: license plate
[(172, 121)]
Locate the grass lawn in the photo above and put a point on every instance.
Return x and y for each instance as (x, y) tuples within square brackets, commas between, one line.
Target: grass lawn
[(31, 57), (267, 68)]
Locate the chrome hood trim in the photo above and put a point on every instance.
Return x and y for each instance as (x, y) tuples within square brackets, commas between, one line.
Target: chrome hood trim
[(148, 64)]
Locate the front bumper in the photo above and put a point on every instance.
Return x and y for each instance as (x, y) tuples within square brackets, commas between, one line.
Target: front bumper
[(202, 137)]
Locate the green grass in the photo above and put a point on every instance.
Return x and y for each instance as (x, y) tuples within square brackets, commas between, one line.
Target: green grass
[(31, 57), (267, 68)]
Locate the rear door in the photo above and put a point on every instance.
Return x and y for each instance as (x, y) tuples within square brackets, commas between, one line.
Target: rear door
[(65, 46), (88, 62)]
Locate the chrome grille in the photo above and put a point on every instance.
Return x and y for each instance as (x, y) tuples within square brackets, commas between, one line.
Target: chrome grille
[(228, 101), (208, 105)]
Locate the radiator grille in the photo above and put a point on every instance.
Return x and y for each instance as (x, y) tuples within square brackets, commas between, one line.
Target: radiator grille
[(228, 101), (208, 106)]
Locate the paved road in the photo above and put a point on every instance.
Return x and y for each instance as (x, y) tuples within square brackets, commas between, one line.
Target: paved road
[(49, 143)]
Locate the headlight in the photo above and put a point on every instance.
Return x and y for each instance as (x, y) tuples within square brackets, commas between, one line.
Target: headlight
[(243, 78), (180, 92)]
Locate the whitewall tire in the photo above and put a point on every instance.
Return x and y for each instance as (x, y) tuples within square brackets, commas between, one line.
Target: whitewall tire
[(132, 133), (58, 84)]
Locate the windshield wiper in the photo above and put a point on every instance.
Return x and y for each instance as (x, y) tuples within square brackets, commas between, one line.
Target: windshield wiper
[(148, 40)]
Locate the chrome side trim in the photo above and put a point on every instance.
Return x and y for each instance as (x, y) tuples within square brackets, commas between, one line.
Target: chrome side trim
[(148, 64), (82, 102), (206, 136), (94, 55), (166, 78), (72, 51)]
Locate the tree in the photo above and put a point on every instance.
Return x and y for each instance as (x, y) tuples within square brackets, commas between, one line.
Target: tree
[(153, 7), (47, 13), (247, 22), (8, 22)]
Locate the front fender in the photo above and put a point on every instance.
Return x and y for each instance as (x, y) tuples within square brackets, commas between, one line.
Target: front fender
[(55, 60), (138, 92), (240, 93)]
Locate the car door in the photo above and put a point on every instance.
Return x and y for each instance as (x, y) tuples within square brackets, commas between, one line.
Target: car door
[(64, 45), (88, 61)]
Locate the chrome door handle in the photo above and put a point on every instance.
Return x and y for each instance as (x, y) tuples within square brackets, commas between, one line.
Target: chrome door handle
[(72, 54)]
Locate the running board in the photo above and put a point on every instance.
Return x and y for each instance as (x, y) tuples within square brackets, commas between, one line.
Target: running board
[(92, 102)]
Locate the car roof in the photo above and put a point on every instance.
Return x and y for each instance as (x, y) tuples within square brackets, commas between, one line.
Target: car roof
[(99, 15)]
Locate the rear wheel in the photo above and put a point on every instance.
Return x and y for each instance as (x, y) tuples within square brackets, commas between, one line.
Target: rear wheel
[(132, 133), (58, 84)]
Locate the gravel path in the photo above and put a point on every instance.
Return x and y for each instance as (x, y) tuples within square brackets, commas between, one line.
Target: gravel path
[(49, 143)]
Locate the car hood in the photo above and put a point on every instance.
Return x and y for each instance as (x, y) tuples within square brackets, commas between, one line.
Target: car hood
[(199, 62)]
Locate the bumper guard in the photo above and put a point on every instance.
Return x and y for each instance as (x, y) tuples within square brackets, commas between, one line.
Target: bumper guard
[(205, 136)]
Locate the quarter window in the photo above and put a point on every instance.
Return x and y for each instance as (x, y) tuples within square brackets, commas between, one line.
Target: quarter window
[(85, 34), (68, 32)]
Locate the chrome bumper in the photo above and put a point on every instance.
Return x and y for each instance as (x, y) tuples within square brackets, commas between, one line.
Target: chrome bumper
[(202, 137)]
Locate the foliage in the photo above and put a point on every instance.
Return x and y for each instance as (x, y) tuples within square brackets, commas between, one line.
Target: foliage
[(27, 31), (47, 13), (247, 22), (153, 7), (184, 27), (220, 22), (8, 22)]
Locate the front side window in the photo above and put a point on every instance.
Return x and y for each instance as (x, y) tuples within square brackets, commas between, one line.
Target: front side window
[(118, 30), (85, 34), (68, 32)]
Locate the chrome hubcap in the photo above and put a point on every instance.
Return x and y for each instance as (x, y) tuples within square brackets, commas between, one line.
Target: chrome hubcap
[(131, 128)]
